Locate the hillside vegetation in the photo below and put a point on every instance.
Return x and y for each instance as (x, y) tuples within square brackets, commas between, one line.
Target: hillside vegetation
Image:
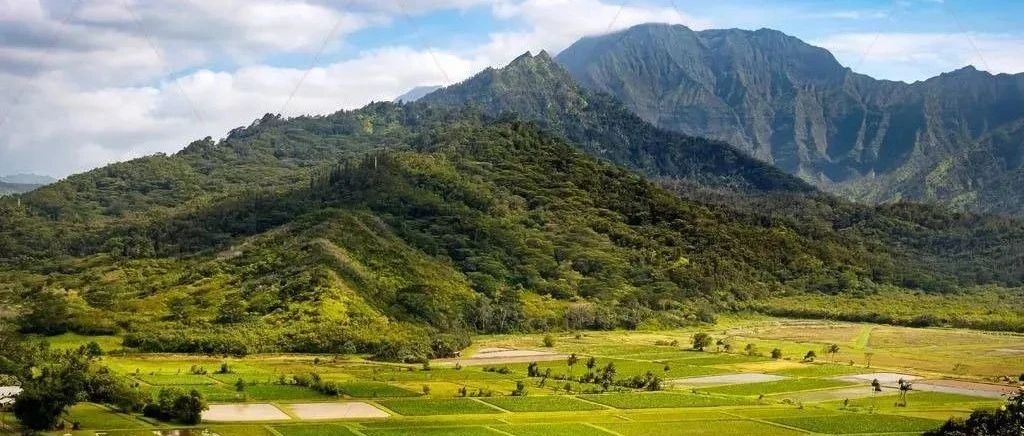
[(375, 230)]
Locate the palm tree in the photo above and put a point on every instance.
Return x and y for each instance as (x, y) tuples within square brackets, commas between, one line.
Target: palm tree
[(833, 349), (571, 361), (905, 387)]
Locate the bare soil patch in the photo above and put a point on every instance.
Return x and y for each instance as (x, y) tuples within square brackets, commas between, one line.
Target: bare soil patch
[(887, 379), (965, 388), (496, 356), (835, 394), (348, 410), (244, 412), (728, 379)]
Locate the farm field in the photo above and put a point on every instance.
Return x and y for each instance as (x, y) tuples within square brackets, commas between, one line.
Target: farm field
[(742, 390)]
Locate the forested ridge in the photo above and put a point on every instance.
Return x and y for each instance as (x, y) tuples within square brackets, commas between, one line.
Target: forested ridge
[(400, 229)]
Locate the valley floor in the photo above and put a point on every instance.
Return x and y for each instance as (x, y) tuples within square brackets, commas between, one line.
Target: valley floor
[(743, 391)]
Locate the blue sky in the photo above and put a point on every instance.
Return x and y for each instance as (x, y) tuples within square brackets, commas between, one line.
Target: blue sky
[(88, 82)]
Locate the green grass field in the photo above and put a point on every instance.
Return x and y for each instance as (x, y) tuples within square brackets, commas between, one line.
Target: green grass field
[(792, 385), (314, 430), (427, 407), (547, 409), (541, 404), (859, 423), (663, 400), (698, 428)]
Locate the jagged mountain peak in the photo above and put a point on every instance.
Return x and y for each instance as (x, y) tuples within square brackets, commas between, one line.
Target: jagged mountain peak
[(795, 106)]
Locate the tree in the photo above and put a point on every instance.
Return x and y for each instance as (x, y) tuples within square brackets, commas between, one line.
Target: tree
[(810, 356), (520, 390), (876, 386), (833, 350), (532, 370), (549, 341), (592, 363), (776, 353), (867, 358), (905, 387), (701, 341), (571, 361), (92, 350), (46, 313), (426, 389), (750, 349), (45, 398), (189, 408), (239, 385)]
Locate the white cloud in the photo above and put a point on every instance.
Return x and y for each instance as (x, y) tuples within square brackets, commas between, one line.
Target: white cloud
[(911, 56), (64, 128), (555, 24)]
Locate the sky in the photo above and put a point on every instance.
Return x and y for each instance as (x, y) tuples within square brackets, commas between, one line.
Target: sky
[(84, 83)]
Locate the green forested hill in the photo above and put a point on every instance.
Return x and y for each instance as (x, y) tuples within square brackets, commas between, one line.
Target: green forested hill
[(423, 221)]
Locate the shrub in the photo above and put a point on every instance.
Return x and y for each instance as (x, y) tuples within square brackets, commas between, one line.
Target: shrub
[(701, 341), (549, 341)]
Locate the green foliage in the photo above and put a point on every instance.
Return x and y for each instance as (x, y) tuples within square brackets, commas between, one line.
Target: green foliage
[(174, 404), (701, 341), (399, 230)]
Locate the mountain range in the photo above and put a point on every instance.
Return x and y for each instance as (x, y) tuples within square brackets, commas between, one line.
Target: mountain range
[(517, 200), (956, 140), (19, 183)]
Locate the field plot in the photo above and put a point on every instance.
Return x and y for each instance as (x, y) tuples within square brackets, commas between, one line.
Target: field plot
[(859, 423), (729, 379), (663, 400), (374, 390), (432, 431), (819, 370), (348, 410), (965, 388), (791, 385), (313, 430), (91, 416), (698, 428), (175, 379), (571, 429), (244, 412), (834, 394), (885, 378), (496, 356), (426, 407), (549, 403)]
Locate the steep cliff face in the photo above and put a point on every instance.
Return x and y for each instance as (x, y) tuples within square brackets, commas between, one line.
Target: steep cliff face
[(951, 139)]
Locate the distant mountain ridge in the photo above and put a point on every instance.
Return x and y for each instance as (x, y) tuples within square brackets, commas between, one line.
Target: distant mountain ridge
[(956, 139), (20, 183), (535, 88), (416, 93)]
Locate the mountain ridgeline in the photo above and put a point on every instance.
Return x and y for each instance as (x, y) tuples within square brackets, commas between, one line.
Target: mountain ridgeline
[(955, 140), (400, 229), (536, 88)]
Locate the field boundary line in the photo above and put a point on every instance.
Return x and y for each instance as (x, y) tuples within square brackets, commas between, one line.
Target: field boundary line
[(489, 404), (599, 428), (606, 407), (498, 431), (353, 429), (272, 430)]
